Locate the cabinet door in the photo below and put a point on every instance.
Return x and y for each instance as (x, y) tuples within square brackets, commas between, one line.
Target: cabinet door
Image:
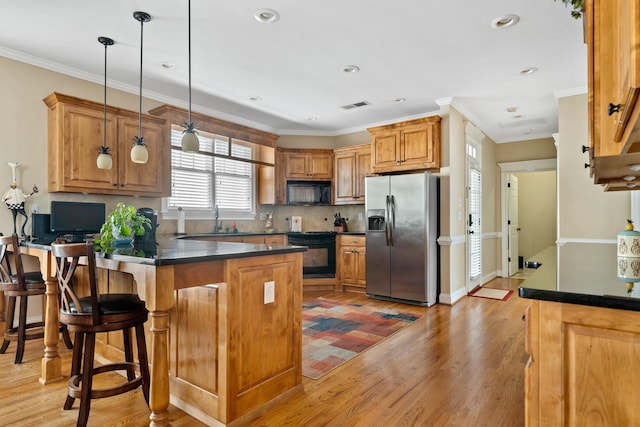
[(385, 150), (361, 262), (279, 239), (345, 179), (415, 147), (348, 265), (320, 166), (363, 170), (83, 131), (295, 166), (136, 178)]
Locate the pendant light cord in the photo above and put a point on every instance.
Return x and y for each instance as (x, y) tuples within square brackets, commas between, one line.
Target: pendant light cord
[(189, 49), (104, 132), (140, 101)]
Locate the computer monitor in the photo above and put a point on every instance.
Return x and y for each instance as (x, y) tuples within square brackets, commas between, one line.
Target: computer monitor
[(76, 219)]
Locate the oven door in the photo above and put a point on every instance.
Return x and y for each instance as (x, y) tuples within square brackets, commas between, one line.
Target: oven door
[(320, 259)]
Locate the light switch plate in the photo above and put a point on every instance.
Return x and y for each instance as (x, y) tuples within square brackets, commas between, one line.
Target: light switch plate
[(269, 292)]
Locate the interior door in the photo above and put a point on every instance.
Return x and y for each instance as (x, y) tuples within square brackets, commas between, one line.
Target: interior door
[(474, 210), (512, 190)]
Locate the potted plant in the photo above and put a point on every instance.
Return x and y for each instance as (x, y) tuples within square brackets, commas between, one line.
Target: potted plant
[(121, 227)]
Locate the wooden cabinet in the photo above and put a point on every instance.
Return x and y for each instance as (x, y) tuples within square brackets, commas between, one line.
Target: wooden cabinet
[(613, 39), (308, 164), (351, 166), (581, 366), (352, 267), (76, 129), (412, 145)]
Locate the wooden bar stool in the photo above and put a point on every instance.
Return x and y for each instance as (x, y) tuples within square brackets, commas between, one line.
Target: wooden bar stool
[(88, 315), (18, 285)]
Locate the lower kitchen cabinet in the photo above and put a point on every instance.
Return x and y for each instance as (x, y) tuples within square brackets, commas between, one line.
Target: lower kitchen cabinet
[(582, 364), (352, 267)]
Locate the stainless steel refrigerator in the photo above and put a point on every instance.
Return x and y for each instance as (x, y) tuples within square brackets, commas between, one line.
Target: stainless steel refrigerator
[(402, 228)]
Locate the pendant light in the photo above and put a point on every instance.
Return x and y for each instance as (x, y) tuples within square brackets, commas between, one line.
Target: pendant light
[(104, 160), (190, 142), (139, 153)]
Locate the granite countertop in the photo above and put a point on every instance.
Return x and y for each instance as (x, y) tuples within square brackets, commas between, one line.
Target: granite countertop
[(585, 274), (170, 250)]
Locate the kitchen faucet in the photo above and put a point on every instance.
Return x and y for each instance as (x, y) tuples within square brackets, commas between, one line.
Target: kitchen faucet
[(217, 226)]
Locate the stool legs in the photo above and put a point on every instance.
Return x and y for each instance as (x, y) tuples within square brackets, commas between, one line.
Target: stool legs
[(9, 316), (143, 360), (87, 378)]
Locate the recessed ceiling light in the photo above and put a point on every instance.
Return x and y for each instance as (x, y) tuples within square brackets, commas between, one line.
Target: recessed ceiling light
[(168, 65), (349, 69), (255, 98), (528, 70), (512, 109), (400, 100), (267, 15), (312, 119), (505, 21), (526, 131), (517, 116)]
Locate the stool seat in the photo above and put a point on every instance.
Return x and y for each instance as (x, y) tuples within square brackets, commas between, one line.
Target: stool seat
[(87, 315)]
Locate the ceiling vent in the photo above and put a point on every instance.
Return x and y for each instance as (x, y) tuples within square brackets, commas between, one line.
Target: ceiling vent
[(525, 122), (355, 105)]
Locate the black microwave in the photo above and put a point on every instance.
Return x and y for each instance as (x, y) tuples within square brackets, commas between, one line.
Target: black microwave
[(308, 192)]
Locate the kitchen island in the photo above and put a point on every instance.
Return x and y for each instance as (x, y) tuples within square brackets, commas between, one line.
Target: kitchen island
[(225, 324), (583, 338)]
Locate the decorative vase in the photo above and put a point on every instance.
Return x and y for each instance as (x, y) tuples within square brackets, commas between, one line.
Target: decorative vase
[(120, 241)]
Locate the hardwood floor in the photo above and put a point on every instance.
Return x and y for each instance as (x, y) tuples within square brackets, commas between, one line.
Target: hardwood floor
[(459, 365)]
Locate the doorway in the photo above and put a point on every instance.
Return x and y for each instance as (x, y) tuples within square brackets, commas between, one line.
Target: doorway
[(473, 138), (506, 170)]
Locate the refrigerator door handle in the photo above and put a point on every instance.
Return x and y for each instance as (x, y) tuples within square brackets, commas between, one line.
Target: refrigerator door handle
[(386, 219), (392, 224)]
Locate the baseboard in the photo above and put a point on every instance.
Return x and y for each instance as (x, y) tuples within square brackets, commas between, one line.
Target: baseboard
[(451, 299)]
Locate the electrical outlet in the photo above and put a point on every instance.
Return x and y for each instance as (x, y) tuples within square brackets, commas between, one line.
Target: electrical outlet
[(360, 216), (263, 216), (34, 209), (269, 292)]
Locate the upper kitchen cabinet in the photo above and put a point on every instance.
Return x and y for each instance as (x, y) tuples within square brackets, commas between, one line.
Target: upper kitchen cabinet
[(412, 145), (76, 129), (613, 41), (301, 164), (351, 166)]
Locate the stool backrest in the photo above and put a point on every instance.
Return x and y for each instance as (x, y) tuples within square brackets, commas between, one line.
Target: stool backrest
[(68, 256), (8, 277)]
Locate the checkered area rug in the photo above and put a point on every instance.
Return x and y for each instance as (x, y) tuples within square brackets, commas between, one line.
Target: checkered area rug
[(334, 332)]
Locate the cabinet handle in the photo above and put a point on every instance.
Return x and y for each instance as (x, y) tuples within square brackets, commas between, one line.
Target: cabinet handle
[(613, 108)]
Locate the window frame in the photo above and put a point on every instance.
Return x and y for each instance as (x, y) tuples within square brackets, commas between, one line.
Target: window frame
[(171, 212)]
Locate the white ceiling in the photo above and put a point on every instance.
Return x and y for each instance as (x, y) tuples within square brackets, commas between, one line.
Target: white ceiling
[(429, 52)]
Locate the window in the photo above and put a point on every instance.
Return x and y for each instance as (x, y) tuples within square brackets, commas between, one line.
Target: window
[(221, 174)]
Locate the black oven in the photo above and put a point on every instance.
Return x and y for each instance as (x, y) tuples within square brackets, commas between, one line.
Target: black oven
[(320, 259)]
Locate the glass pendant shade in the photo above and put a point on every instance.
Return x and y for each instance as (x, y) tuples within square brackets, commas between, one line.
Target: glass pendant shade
[(190, 142), (104, 161), (139, 154)]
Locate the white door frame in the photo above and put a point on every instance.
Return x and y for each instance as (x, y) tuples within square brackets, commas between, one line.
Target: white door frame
[(506, 169)]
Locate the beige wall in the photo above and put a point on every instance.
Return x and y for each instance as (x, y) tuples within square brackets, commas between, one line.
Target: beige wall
[(534, 149), (490, 211), (536, 212), (585, 210)]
